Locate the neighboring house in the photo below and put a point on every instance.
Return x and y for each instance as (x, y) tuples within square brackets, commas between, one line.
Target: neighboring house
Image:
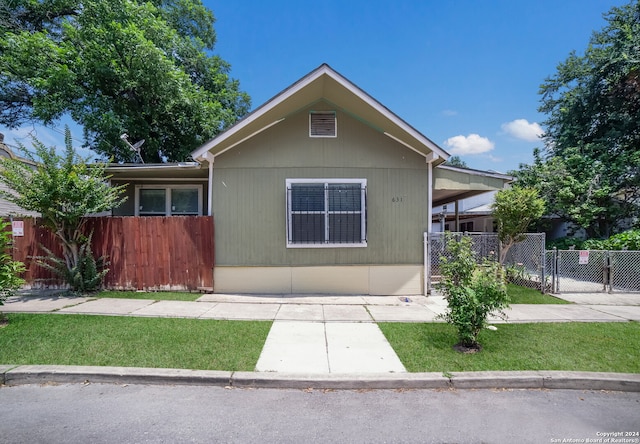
[(174, 189), (472, 214), (320, 190), (8, 208)]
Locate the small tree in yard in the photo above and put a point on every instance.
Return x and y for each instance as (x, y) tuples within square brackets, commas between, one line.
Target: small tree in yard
[(473, 292), (63, 189), (10, 280), (514, 209)]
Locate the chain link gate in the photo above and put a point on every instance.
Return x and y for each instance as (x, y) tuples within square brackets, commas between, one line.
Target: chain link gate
[(579, 271), (587, 271)]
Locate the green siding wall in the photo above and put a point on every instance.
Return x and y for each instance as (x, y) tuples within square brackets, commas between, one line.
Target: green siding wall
[(249, 198)]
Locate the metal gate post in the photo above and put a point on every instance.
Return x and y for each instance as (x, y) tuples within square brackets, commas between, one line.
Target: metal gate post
[(543, 262), (608, 271), (427, 263), (556, 271)]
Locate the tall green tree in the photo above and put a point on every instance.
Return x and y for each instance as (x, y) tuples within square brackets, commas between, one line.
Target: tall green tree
[(118, 66), (514, 209), (64, 189), (456, 161), (590, 170)]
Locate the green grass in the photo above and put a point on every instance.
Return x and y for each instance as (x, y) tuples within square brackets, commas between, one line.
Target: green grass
[(525, 295), (132, 342), (157, 296), (602, 347)]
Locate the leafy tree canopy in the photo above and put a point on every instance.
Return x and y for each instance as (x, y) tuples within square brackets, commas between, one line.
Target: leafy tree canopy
[(514, 209), (118, 66), (63, 189), (456, 161), (589, 172)]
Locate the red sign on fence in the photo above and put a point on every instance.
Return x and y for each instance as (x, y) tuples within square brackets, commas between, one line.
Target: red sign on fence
[(584, 257), (17, 226)]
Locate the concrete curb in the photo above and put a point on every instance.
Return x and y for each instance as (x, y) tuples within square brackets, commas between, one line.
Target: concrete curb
[(42, 374), (61, 374)]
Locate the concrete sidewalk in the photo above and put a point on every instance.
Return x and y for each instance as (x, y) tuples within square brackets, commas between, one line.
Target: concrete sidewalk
[(324, 334), (316, 308)]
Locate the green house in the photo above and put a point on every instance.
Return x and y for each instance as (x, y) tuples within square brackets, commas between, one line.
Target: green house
[(324, 190)]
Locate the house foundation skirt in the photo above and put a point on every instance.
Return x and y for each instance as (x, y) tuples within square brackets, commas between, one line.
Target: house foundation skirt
[(347, 280)]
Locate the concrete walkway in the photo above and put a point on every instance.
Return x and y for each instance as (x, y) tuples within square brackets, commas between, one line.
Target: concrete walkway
[(326, 334)]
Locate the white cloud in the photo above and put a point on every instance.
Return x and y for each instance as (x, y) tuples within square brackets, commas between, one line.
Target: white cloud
[(522, 129), (471, 144), (449, 113)]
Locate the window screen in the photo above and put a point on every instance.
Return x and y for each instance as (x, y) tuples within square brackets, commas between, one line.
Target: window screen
[(326, 212)]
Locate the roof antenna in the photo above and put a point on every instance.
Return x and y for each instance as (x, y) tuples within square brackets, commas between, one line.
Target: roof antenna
[(135, 147)]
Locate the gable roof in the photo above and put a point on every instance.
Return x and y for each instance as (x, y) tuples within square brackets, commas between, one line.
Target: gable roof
[(323, 83)]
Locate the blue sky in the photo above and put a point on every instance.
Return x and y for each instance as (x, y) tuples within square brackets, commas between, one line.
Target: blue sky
[(465, 73)]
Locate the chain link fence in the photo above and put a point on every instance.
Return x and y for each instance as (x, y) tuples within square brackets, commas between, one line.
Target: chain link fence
[(529, 264), (587, 271), (524, 262), (484, 245), (624, 271)]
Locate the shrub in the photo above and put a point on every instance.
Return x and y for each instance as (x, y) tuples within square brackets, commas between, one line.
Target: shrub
[(63, 189), (85, 276), (565, 243), (473, 291), (10, 281), (628, 240)]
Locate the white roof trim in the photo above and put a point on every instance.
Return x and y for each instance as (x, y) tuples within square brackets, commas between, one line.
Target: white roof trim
[(305, 81), (383, 110), (256, 114), (405, 144), (120, 168), (248, 137), (469, 171)]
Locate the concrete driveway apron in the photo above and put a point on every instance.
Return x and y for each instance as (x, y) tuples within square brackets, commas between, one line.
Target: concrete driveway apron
[(327, 347)]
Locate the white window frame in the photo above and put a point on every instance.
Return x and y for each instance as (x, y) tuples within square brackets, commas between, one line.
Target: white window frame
[(335, 124), (327, 212), (167, 201)]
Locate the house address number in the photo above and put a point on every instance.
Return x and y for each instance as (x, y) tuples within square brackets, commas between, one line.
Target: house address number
[(398, 199)]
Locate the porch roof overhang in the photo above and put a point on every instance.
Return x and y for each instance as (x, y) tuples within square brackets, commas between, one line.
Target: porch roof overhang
[(322, 84), (181, 170), (453, 183)]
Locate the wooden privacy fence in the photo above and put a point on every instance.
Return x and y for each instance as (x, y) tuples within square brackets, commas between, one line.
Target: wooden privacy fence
[(144, 253)]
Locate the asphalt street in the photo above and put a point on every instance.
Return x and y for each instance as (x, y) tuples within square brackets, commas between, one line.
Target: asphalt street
[(110, 413)]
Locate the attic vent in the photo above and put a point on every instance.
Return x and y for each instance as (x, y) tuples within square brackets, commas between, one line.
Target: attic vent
[(322, 124)]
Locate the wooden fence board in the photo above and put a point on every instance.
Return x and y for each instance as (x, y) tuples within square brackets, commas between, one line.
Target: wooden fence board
[(144, 253)]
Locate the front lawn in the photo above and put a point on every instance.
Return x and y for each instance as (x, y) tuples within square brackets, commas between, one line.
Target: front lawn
[(525, 295), (132, 342), (598, 347)]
